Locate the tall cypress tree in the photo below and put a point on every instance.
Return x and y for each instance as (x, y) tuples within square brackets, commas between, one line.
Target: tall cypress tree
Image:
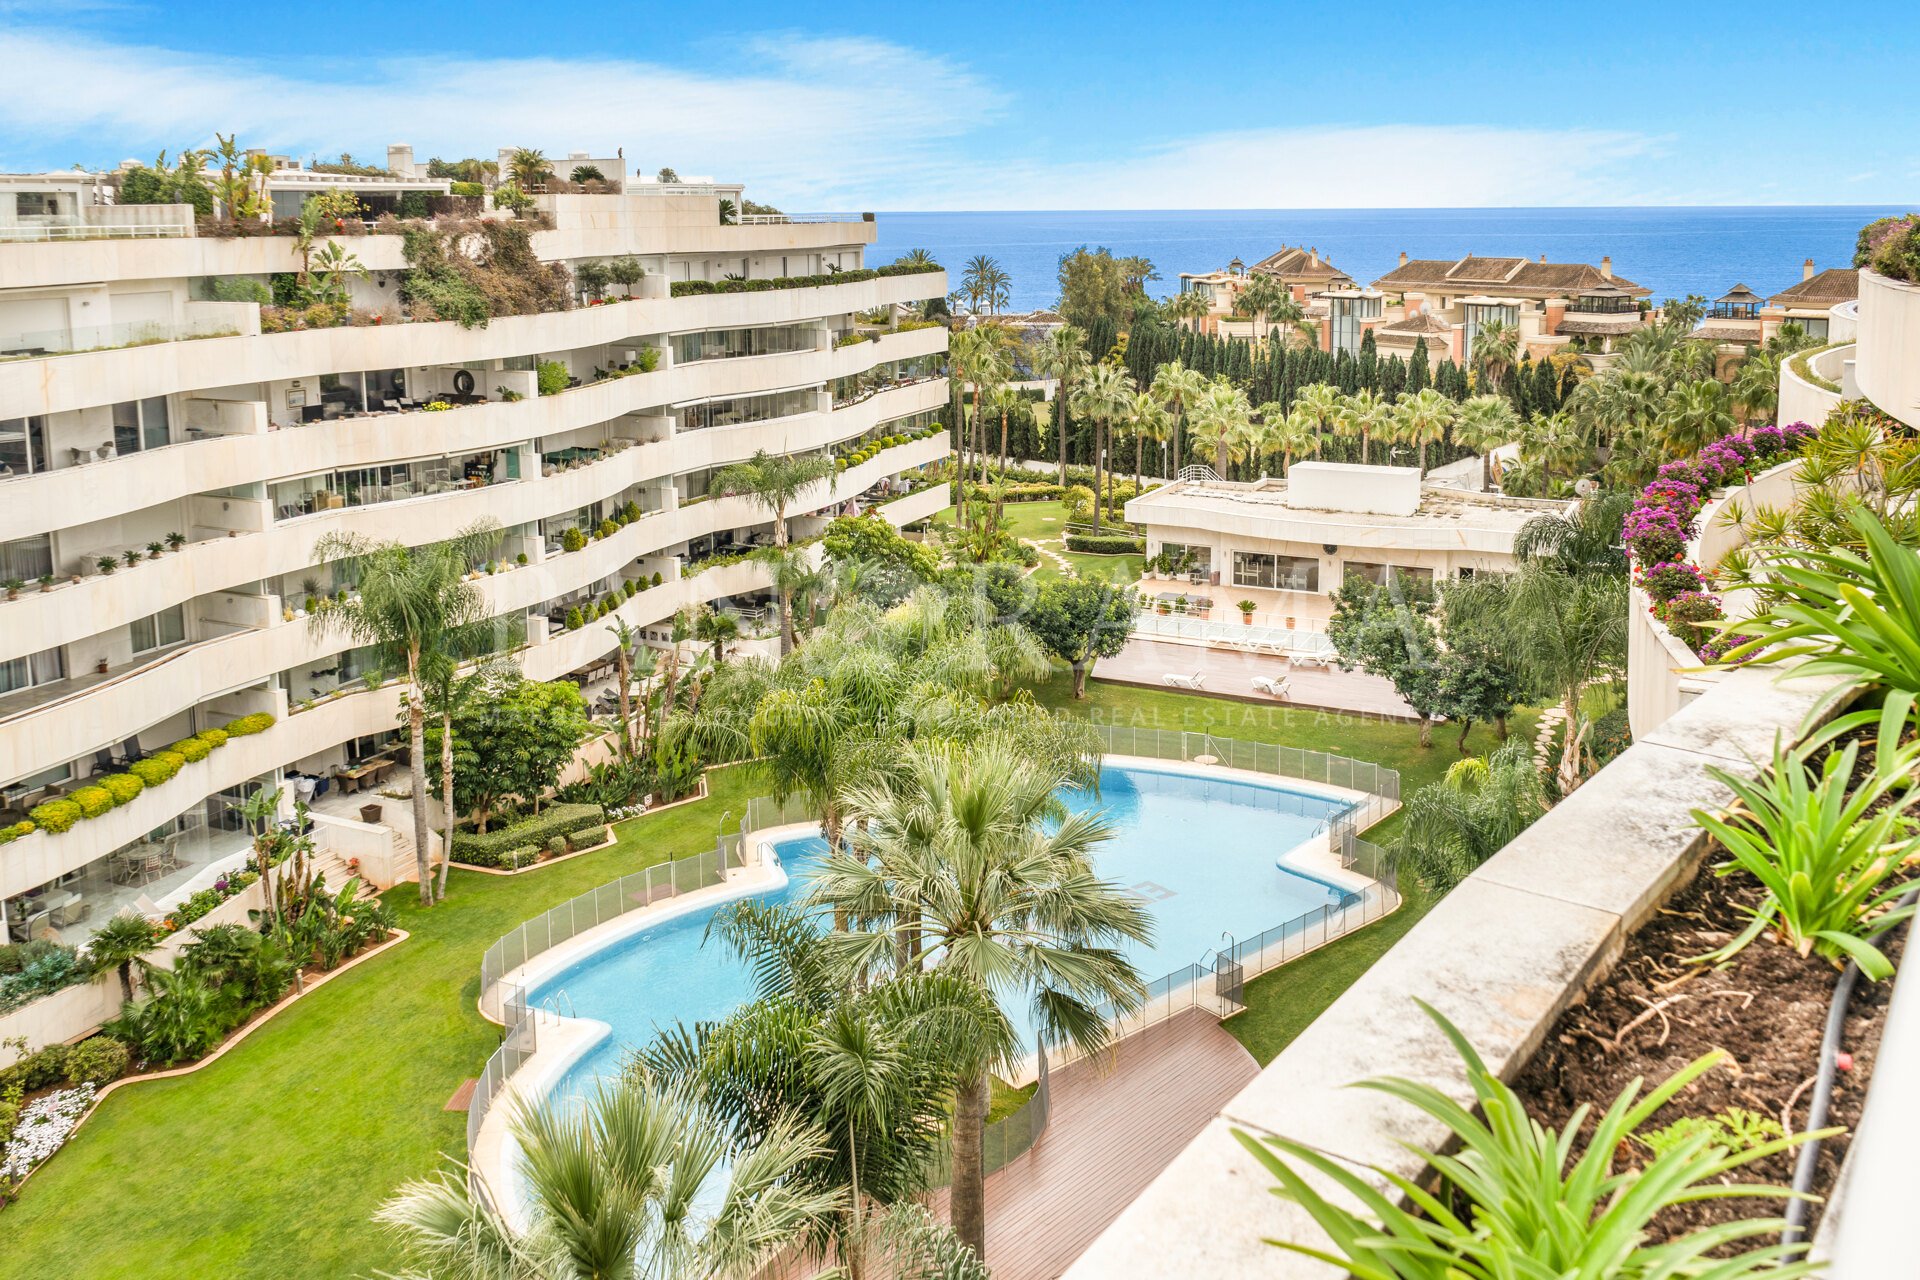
[(1419, 368)]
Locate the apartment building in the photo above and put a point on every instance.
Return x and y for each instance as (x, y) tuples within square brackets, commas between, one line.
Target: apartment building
[(171, 457), (1446, 302), (1302, 272)]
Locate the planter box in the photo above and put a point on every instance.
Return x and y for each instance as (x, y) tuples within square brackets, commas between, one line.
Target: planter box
[(65, 1015)]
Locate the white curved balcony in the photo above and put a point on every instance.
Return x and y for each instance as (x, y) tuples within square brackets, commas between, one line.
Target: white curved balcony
[(1887, 355), (114, 708), (49, 265), (57, 383), (265, 548), (49, 500)]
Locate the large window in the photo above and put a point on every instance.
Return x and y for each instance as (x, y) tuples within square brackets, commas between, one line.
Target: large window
[(23, 446), (733, 411), (164, 628), (139, 424), (1816, 328), (27, 558), (1277, 573), (36, 668), (726, 344), (392, 482), (1347, 318), (1380, 574)]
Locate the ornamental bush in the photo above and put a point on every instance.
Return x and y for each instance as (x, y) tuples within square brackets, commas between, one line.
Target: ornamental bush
[(551, 376), (258, 722), (153, 770), (213, 737), (193, 749), (98, 1061), (574, 619), (122, 786), (1665, 581), (54, 814), (14, 832), (1685, 615), (690, 288), (559, 820), (572, 540), (1105, 544)]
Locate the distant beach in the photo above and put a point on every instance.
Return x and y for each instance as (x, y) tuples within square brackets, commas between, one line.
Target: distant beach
[(1672, 251)]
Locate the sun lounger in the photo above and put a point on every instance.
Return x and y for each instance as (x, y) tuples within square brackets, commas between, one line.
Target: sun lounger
[(1178, 681), (1270, 686)]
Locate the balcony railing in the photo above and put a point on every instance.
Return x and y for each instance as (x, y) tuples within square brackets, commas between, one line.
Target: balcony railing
[(44, 232)]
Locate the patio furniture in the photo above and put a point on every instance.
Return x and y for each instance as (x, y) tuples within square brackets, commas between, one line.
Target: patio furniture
[(73, 912), (1177, 681), (170, 852), (37, 923), (1273, 688)]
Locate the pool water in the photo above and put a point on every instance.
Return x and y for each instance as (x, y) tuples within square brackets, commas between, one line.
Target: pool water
[(1200, 852)]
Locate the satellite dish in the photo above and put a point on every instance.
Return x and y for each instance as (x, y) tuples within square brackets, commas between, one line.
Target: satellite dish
[(1586, 486)]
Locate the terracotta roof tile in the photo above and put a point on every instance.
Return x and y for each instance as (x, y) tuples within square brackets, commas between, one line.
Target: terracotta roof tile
[(1832, 286)]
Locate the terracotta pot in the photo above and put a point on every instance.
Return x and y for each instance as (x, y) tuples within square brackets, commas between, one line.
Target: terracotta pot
[(1246, 618)]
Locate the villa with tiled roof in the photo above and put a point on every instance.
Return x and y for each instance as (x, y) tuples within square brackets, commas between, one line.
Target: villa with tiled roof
[(1552, 304), (1303, 272), (1739, 318)]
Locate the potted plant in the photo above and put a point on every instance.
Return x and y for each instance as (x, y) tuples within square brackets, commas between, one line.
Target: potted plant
[(131, 556), (1246, 611), (1180, 605), (176, 540), (101, 666), (1164, 608), (13, 586), (154, 549), (46, 582), (370, 813), (106, 565), (1289, 622)]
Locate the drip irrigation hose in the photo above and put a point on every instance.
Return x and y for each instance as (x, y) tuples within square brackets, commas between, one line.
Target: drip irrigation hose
[(1807, 1163)]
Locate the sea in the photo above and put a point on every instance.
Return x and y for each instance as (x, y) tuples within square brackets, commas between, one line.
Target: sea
[(1671, 251)]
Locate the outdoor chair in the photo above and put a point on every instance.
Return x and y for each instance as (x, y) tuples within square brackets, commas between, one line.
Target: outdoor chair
[(1195, 681), (1274, 688)]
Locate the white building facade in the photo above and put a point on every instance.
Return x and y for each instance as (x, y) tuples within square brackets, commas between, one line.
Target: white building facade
[(167, 470)]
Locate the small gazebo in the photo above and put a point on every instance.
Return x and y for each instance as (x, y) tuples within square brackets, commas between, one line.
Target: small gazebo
[(1738, 303)]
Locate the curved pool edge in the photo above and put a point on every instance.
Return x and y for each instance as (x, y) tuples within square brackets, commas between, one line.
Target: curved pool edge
[(495, 1159)]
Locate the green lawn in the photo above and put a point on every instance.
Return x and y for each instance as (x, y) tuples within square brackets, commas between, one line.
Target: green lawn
[(1044, 524), (270, 1161)]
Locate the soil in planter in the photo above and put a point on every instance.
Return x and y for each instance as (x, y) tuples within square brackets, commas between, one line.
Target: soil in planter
[(1767, 1010)]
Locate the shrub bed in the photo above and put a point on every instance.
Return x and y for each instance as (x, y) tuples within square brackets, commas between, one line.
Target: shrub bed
[(103, 794), (1105, 544), (492, 848), (691, 288)]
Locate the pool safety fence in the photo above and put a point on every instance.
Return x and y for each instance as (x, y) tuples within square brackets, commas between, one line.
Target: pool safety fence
[(1006, 1139), (1381, 784), (508, 1003)]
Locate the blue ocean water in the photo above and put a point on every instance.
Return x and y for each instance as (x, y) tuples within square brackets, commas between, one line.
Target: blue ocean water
[(1672, 251), (1199, 852)]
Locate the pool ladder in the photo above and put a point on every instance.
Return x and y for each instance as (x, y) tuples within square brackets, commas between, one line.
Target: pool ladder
[(552, 1003)]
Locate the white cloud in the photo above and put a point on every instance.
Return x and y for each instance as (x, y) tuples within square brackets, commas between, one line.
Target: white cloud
[(820, 123), (810, 121)]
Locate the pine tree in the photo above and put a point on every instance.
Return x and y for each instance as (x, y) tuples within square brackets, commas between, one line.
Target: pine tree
[(1419, 368)]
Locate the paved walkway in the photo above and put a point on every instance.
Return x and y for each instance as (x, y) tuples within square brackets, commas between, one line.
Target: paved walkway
[(1230, 672), (1117, 1122)]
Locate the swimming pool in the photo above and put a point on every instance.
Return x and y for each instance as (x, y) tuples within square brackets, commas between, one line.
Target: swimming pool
[(1199, 851)]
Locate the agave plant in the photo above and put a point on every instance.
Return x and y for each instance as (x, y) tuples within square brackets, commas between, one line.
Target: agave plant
[(1516, 1203), (1829, 854)]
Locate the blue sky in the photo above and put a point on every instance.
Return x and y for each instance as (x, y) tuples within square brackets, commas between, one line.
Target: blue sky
[(995, 105)]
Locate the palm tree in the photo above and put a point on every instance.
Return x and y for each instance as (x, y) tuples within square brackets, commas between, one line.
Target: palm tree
[(1220, 418), (1486, 423), (528, 168), (1259, 298), (1756, 387), (873, 1070), (1496, 347), (978, 360), (448, 692), (1178, 387), (614, 1190), (1553, 440), (1290, 433), (626, 639), (984, 284), (1103, 397), (1481, 804), (916, 258), (333, 264), (968, 866), (717, 628), (1325, 407), (1061, 355), (412, 603), (1148, 419), (1695, 415), (1423, 419), (121, 941), (1005, 400), (774, 482), (1190, 306)]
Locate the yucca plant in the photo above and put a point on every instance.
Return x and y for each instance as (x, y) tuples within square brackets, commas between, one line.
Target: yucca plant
[(1516, 1203), (1849, 615), (1830, 855)]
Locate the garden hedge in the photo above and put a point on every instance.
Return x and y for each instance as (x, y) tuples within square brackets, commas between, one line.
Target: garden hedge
[(1105, 545), (100, 795), (489, 849), (690, 288)]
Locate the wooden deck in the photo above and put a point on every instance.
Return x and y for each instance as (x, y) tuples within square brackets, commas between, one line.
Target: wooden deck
[(1117, 1122), (1229, 673)]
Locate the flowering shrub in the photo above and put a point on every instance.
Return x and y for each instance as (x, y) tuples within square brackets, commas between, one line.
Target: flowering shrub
[(1661, 522), (1665, 581), (43, 1128), (1717, 646)]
